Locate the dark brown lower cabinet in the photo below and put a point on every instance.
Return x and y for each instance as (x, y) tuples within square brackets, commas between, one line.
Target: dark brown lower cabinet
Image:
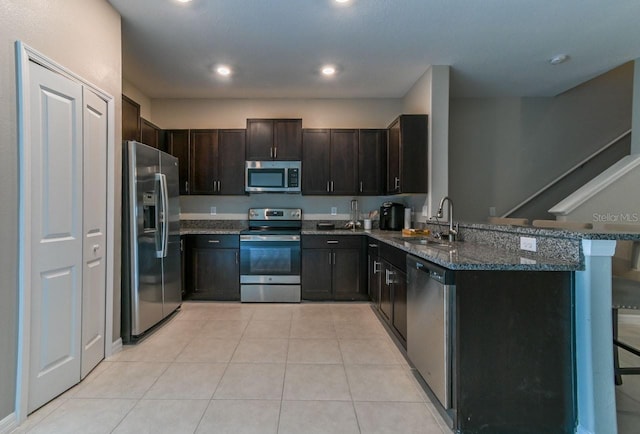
[(215, 268), (333, 268), (390, 282)]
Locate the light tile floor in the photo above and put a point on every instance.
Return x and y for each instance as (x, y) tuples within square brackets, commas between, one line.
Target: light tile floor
[(265, 368), (251, 368)]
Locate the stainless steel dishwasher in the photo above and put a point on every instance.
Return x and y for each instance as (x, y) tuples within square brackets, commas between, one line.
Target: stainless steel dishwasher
[(430, 316)]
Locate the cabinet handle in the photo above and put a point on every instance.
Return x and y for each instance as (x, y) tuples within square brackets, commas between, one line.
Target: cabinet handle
[(373, 246), (397, 183), (334, 258), (329, 258), (328, 187), (270, 152), (219, 186), (275, 152), (186, 186), (182, 245), (237, 258), (214, 241), (361, 187), (332, 242), (377, 267), (214, 186)]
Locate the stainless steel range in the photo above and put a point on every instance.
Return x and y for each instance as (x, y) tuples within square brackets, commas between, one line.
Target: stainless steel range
[(270, 256)]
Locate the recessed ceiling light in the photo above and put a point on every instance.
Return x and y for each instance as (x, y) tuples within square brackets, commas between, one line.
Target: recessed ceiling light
[(183, 1), (558, 59), (342, 1), (328, 70), (223, 70)]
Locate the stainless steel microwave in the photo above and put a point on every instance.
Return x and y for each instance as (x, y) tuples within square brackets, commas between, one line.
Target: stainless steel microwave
[(272, 176)]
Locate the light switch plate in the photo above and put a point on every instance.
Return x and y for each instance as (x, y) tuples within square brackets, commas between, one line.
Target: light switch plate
[(334, 210), (214, 210), (492, 211), (528, 244)]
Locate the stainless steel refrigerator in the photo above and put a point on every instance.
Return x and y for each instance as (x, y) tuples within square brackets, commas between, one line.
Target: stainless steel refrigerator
[(151, 273)]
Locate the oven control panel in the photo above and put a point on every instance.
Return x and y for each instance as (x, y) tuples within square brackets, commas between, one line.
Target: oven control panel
[(275, 214)]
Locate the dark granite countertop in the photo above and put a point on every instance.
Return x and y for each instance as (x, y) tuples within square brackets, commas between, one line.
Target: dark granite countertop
[(463, 255), (484, 247)]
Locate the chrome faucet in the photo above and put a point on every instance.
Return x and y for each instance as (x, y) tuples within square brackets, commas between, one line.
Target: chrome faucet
[(452, 232)]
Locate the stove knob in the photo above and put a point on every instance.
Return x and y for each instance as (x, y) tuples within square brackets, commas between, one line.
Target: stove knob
[(253, 213), (295, 214)]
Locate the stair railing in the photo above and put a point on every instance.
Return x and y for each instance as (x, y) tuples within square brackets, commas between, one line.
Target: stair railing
[(566, 174)]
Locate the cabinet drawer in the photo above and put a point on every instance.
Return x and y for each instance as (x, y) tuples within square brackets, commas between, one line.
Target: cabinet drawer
[(332, 242), (394, 256), (215, 241)]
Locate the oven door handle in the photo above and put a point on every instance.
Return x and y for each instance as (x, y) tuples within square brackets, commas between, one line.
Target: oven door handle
[(269, 238)]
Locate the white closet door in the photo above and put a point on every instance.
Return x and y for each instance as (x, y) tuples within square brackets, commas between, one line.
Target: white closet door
[(56, 234), (95, 221)]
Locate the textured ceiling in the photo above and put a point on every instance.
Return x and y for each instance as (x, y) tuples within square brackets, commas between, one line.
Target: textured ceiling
[(381, 47)]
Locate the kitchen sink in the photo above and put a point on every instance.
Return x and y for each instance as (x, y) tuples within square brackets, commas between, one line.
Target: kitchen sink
[(424, 241)]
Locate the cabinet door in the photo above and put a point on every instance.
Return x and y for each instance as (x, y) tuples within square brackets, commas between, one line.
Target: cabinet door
[(374, 267), (204, 161), (287, 139), (149, 134), (371, 150), (216, 274), (400, 302), (414, 154), (348, 277), (316, 274), (393, 159), (315, 161), (178, 146), (344, 162), (259, 139), (231, 151), (386, 307), (130, 119)]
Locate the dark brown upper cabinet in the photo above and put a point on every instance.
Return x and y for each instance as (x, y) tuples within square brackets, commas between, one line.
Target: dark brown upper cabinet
[(407, 155), (372, 146), (151, 135), (178, 145), (130, 119), (330, 161), (217, 161), (274, 139)]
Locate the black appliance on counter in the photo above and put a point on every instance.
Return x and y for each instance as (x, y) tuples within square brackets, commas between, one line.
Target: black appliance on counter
[(391, 216), (270, 256)]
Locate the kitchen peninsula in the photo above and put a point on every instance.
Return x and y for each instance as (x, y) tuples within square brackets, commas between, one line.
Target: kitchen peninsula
[(532, 349)]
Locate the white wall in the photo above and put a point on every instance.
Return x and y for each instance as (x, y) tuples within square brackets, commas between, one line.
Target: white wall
[(83, 36), (315, 113), (131, 91), (504, 149)]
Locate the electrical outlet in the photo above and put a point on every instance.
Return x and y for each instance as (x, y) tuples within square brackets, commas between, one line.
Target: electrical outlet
[(492, 211), (528, 243), (425, 211), (334, 210), (214, 210)]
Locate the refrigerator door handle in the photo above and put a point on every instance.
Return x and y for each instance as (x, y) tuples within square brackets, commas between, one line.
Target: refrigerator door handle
[(164, 200)]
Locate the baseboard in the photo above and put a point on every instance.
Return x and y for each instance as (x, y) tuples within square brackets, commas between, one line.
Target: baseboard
[(116, 347), (629, 319), (9, 423)]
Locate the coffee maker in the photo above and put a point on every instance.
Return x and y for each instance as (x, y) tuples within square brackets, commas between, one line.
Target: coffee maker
[(391, 216)]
